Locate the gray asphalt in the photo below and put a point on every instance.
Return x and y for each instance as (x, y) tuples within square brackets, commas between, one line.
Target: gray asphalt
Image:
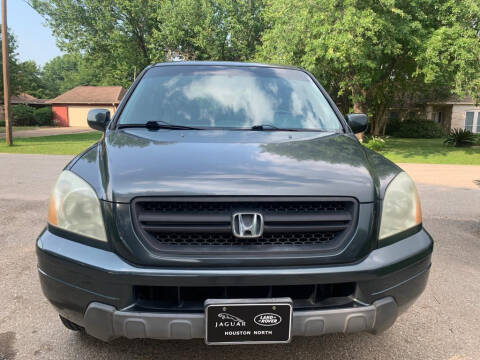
[(443, 324)]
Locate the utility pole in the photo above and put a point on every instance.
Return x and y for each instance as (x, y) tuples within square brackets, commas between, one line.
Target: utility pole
[(6, 77)]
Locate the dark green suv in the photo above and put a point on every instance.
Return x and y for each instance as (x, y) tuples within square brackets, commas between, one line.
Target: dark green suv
[(231, 202)]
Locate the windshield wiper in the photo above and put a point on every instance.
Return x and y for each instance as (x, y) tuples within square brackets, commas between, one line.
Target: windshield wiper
[(270, 127), (156, 125)]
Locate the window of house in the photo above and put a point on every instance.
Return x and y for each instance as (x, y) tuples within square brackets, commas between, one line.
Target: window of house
[(472, 121), (438, 117)]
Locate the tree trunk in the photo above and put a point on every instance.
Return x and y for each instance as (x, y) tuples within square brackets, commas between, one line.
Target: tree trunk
[(381, 121), (359, 108)]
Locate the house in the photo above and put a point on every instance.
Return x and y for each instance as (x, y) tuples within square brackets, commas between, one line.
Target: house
[(455, 113), (23, 99), (27, 99), (71, 108), (452, 113)]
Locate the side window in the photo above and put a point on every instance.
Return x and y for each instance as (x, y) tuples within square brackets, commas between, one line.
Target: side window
[(469, 115)]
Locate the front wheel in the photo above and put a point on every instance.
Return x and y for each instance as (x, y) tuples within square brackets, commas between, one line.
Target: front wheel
[(70, 325)]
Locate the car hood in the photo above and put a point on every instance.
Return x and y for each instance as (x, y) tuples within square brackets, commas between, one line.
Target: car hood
[(140, 162)]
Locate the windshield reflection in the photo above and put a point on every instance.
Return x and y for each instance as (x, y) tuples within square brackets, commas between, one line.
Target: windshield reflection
[(229, 97)]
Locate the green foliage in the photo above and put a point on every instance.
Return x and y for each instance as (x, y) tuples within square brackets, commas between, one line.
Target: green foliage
[(208, 30), (43, 116), (23, 115), (113, 35), (375, 51), (374, 143), (460, 138), (120, 37), (451, 54), (70, 144), (418, 128), (29, 79), (429, 151), (65, 72), (393, 126), (13, 66), (366, 53)]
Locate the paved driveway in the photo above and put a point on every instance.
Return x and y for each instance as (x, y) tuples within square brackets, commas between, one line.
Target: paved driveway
[(47, 131), (443, 324)]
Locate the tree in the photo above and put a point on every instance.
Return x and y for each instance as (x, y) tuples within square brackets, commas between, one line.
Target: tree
[(64, 72), (113, 35), (118, 37), (209, 29), (13, 66), (29, 78), (451, 54), (373, 51)]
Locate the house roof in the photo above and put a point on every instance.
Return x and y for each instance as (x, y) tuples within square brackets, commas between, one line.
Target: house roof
[(27, 99), (454, 100), (90, 95)]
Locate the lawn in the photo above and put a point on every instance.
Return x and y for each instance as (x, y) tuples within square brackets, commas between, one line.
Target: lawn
[(429, 151), (71, 144)]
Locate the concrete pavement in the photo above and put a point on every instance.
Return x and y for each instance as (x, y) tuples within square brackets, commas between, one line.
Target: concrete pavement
[(459, 176), (47, 131), (443, 324)]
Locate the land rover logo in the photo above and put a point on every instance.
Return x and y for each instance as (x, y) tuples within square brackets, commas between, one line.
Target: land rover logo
[(267, 319), (247, 225)]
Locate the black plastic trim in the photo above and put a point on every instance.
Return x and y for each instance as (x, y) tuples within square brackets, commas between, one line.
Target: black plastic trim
[(78, 238), (231, 252)]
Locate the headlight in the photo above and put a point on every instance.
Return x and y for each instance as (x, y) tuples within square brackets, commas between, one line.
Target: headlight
[(401, 207), (74, 206)]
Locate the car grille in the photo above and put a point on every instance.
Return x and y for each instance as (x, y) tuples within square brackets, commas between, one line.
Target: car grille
[(178, 298), (204, 223)]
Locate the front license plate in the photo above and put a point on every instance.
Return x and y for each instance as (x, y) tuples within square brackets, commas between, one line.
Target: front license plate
[(248, 321)]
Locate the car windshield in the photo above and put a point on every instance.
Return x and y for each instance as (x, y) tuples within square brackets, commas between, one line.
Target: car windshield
[(229, 97)]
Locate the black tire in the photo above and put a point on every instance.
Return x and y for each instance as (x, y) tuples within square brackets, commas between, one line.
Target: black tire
[(70, 325)]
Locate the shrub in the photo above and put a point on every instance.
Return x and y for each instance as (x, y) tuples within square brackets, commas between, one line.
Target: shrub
[(393, 125), (2, 123), (477, 139), (43, 116), (425, 129), (22, 115), (460, 137), (374, 143)]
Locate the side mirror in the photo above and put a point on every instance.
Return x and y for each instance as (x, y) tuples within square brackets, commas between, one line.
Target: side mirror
[(357, 122), (98, 119)]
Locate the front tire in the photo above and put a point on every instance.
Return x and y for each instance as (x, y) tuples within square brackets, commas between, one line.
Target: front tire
[(70, 325)]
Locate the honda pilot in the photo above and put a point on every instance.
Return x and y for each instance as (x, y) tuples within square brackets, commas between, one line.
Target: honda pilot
[(231, 202)]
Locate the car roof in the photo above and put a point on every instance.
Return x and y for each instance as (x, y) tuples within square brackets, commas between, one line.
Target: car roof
[(226, 63)]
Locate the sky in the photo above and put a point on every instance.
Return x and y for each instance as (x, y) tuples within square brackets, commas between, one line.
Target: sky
[(35, 40)]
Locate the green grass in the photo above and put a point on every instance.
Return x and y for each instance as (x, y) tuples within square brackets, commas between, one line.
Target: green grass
[(70, 144), (429, 151)]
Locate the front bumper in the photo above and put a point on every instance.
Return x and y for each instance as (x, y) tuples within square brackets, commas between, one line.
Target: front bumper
[(106, 323), (94, 288)]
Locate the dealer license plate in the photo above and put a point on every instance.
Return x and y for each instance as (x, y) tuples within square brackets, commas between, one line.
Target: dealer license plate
[(248, 321)]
